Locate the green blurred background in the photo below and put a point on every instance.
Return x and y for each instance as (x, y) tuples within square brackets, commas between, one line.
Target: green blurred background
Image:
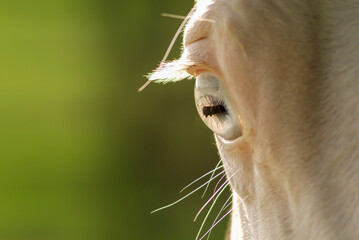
[(83, 155)]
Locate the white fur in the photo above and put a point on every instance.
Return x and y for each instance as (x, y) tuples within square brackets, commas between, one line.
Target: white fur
[(292, 70)]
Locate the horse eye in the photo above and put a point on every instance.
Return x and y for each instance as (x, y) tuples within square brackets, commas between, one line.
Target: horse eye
[(214, 107)]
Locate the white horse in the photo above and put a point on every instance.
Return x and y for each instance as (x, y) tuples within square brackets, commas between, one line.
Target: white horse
[(277, 81)]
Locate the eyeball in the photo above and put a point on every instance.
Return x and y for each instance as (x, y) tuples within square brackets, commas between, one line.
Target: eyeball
[(215, 108)]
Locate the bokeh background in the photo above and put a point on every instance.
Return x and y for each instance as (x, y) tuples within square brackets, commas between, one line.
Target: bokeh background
[(83, 155)]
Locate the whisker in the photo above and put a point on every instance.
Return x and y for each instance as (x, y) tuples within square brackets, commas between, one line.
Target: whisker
[(209, 200), (209, 230), (179, 30), (144, 86), (214, 201), (169, 205), (215, 188), (214, 194), (212, 171), (209, 211), (211, 178), (169, 15), (225, 205), (206, 20)]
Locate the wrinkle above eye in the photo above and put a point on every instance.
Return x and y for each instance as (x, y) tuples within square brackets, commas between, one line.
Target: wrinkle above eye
[(197, 28), (195, 34)]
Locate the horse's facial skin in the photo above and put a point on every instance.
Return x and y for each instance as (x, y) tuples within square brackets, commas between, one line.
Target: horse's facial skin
[(291, 77)]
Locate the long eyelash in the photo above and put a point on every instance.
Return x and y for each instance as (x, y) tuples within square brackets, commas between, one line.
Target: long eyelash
[(179, 30), (171, 71)]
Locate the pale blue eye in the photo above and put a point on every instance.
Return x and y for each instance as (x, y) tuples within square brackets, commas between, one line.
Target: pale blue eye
[(214, 107)]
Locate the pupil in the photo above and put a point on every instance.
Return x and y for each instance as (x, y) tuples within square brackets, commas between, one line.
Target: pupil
[(213, 110)]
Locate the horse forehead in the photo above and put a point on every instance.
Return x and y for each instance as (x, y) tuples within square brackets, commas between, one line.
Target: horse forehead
[(200, 23)]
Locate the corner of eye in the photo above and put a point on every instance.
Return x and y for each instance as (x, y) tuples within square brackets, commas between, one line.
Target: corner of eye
[(192, 71)]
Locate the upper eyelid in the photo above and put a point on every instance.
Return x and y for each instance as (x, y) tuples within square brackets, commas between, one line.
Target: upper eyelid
[(195, 67), (194, 54), (191, 69)]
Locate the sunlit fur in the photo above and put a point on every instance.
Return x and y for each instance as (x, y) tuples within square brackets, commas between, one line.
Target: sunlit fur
[(291, 68)]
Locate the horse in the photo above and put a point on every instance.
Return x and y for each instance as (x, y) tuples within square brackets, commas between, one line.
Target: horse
[(277, 81)]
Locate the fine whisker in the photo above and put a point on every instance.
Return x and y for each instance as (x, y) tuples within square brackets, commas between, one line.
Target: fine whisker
[(169, 15), (228, 203), (209, 210), (209, 230), (214, 202), (144, 86), (209, 200), (212, 171), (219, 162), (179, 30), (169, 205), (225, 205), (215, 188)]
